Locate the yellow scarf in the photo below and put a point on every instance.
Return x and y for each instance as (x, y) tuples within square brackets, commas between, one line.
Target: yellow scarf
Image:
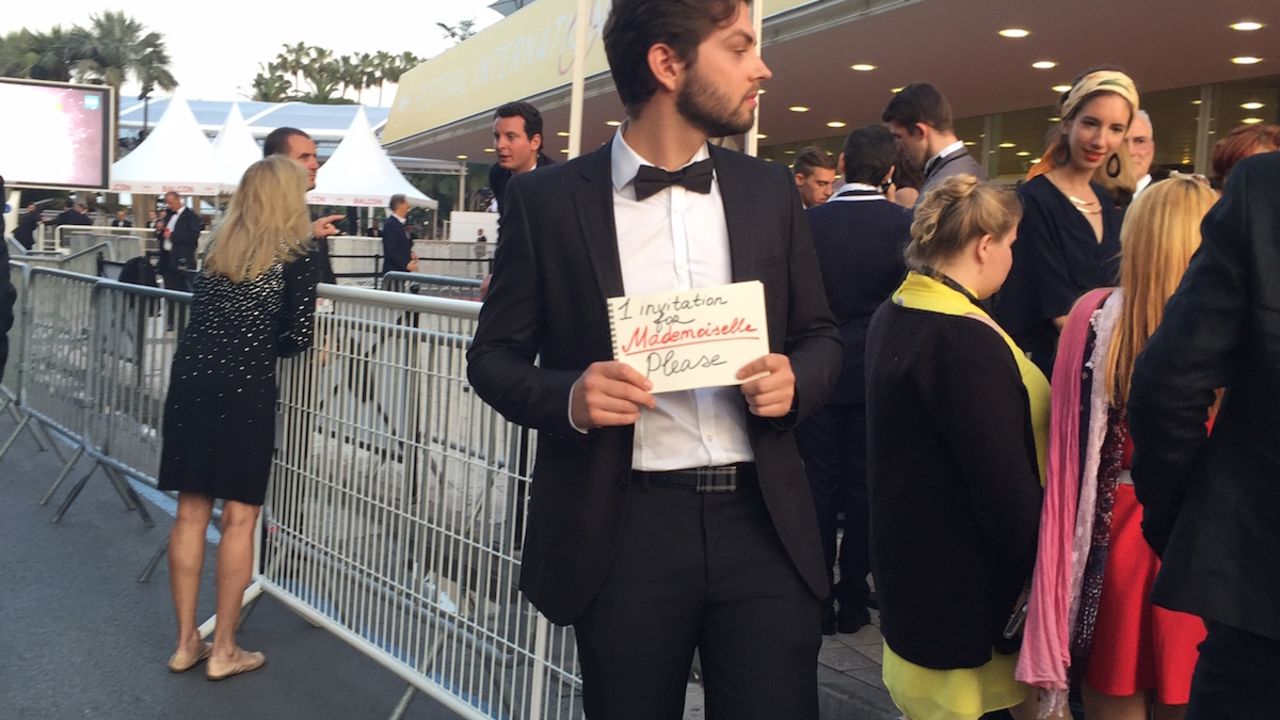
[(921, 292)]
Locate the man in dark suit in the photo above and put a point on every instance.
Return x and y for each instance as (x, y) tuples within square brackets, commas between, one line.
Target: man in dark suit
[(8, 295), (25, 233), (397, 246), (74, 214), (859, 237), (299, 147), (1211, 502), (121, 220), (920, 118), (663, 523), (181, 235)]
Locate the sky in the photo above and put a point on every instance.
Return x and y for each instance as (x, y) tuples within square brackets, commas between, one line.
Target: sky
[(216, 49)]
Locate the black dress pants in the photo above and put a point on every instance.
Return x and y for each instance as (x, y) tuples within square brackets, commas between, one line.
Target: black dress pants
[(705, 571), (1237, 676), (833, 443)]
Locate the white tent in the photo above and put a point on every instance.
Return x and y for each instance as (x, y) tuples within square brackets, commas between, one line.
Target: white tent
[(175, 156), (235, 148), (359, 173)]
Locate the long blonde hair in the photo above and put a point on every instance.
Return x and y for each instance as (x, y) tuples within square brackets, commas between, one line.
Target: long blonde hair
[(266, 221), (1160, 234)]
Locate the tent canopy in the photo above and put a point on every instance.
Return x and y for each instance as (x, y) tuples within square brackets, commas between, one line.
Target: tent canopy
[(175, 156), (236, 149), (359, 173)]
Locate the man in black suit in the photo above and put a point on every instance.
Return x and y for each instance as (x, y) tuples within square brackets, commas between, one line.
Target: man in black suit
[(299, 147), (859, 237), (397, 246), (181, 235), (25, 233), (1211, 502), (8, 295), (663, 523), (74, 214), (121, 220), (920, 118)]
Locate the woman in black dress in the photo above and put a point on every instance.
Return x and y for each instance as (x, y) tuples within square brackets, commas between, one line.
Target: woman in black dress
[(252, 305), (1069, 237)]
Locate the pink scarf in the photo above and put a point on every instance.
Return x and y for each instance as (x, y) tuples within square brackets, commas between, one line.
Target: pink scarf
[(1046, 644)]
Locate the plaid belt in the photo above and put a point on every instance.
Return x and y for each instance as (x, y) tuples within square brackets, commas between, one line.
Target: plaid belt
[(718, 479)]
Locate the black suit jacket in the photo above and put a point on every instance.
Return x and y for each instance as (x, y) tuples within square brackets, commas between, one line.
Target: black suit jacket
[(1212, 504), (859, 246), (186, 233), (396, 246), (500, 176), (556, 263)]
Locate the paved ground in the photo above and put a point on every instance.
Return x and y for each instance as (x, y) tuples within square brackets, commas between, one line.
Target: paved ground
[(81, 638)]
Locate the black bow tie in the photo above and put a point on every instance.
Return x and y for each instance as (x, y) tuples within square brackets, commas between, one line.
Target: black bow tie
[(696, 177)]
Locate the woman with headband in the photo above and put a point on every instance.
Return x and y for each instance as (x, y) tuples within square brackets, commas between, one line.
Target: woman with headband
[(1069, 237)]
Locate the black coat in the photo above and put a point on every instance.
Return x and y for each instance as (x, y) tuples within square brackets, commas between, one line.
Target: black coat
[(1212, 504), (25, 233), (556, 263), (396, 246), (186, 233), (500, 176), (859, 245)]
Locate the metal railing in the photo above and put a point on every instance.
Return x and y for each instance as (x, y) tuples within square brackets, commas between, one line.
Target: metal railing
[(397, 502), (445, 286)]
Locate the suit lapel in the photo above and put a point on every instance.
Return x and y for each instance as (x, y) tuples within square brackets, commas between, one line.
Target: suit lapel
[(593, 199), (736, 196)]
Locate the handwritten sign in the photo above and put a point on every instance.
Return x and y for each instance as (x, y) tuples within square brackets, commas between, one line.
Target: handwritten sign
[(689, 339)]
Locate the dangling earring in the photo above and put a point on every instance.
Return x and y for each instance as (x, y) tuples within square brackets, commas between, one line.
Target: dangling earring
[(1062, 153), (1113, 166)]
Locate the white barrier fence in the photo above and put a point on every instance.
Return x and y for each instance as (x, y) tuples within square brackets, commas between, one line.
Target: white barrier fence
[(397, 502)]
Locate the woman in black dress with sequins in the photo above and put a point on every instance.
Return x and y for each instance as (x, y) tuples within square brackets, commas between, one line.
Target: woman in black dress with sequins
[(253, 304)]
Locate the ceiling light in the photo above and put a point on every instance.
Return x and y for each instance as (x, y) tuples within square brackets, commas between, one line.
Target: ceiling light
[(1246, 26), (1023, 153), (1246, 60), (896, 90), (563, 133), (862, 67), (798, 108), (613, 123), (1055, 118), (1044, 64), (488, 150), (1252, 106), (761, 136), (1061, 88), (1008, 145), (1196, 102), (970, 143), (761, 91), (836, 124), (1252, 121), (1014, 33), (462, 157), (565, 151)]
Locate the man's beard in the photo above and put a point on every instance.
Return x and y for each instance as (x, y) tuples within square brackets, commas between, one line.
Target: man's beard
[(709, 109)]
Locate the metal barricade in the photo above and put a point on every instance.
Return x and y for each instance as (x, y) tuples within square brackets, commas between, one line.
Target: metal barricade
[(11, 382), (396, 510), (445, 286)]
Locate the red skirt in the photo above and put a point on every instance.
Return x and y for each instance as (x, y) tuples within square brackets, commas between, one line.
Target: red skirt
[(1137, 646)]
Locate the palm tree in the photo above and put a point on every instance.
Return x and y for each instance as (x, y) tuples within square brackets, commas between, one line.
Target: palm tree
[(270, 85), (152, 71), (383, 62), (292, 59), (109, 49), (52, 55)]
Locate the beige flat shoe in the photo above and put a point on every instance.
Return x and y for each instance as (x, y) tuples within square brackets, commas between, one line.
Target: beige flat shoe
[(245, 662), (182, 662)]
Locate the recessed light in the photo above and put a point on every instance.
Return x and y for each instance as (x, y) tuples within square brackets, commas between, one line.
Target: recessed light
[(1252, 121), (565, 151), (1055, 118), (1246, 60), (1023, 153), (563, 133), (862, 67), (789, 152), (1008, 145), (1252, 106), (613, 123), (836, 124), (1061, 88), (1044, 64), (462, 157), (761, 91), (1246, 26), (761, 135), (1196, 102), (970, 143), (896, 90), (488, 150), (1014, 33), (798, 108)]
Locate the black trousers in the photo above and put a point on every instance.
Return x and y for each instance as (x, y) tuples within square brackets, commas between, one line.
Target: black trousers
[(705, 571), (1237, 676), (833, 443)]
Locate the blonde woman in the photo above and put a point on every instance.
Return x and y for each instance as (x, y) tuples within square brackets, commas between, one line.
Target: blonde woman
[(1090, 599), (956, 419), (252, 305)]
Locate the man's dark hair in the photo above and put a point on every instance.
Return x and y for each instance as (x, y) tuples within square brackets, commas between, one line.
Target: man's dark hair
[(919, 103), (811, 158), (277, 142), (869, 152), (69, 204), (634, 26), (395, 201), (521, 109)]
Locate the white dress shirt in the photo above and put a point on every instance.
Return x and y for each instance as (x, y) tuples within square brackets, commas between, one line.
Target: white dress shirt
[(1143, 182), (677, 240)]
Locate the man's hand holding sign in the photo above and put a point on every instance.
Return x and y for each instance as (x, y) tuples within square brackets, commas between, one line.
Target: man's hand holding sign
[(684, 340)]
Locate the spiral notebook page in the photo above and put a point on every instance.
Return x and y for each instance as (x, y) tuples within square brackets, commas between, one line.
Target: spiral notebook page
[(688, 339)]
